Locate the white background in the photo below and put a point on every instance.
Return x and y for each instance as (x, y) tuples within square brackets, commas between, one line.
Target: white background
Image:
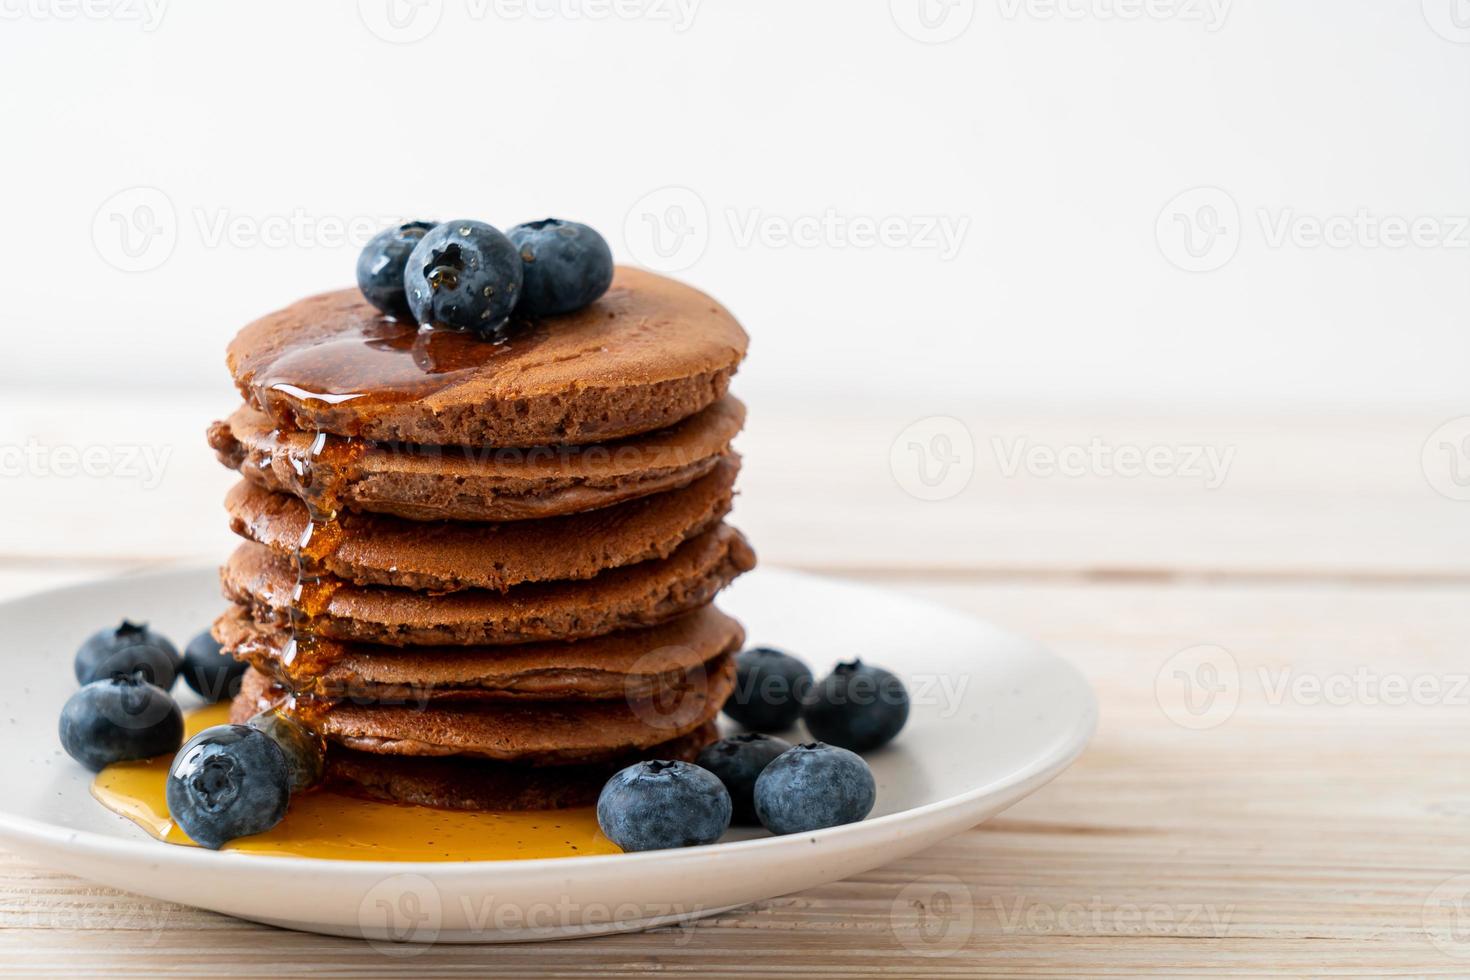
[(1051, 135)]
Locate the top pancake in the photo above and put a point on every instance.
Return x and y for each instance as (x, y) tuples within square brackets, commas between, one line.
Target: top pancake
[(650, 352)]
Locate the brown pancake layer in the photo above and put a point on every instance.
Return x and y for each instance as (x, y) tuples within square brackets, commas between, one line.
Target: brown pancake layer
[(446, 556), (630, 665), (645, 594), (543, 733), (476, 482), (650, 352), (460, 783)]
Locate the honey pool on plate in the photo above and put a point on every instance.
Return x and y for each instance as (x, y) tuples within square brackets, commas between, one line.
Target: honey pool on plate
[(327, 824)]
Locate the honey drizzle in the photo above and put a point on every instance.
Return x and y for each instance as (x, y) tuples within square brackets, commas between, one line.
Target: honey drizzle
[(351, 360), (322, 472), (329, 824)]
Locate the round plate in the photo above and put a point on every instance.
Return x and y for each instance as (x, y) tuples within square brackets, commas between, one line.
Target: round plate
[(994, 717)]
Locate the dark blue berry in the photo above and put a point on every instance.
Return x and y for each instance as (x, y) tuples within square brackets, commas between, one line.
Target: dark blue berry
[(814, 786), (857, 707), (226, 782), (567, 266), (769, 688), (737, 762), (653, 805), (213, 674), (118, 719), (463, 275), (127, 649), (380, 267), (306, 756)]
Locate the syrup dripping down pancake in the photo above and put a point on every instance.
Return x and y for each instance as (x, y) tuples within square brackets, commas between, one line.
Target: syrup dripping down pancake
[(445, 556), (542, 732), (631, 664), (645, 594), (476, 482)]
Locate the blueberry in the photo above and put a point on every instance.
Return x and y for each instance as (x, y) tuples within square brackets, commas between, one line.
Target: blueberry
[(769, 687), (129, 648), (567, 265), (117, 719), (857, 707), (814, 786), (381, 263), (736, 762), (226, 782), (306, 755), (213, 674), (652, 805), (463, 275)]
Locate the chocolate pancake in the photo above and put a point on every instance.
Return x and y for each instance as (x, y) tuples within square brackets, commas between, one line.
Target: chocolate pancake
[(445, 556), (540, 733), (474, 482), (645, 594), (632, 664), (650, 352), (461, 783)]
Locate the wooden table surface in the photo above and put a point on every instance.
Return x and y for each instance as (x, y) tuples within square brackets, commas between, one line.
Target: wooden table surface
[(1313, 819)]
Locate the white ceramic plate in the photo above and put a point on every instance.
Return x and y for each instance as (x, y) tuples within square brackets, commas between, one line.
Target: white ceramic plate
[(994, 718)]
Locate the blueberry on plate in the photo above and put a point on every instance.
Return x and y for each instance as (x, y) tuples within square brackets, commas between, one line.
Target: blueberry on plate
[(128, 648), (226, 782), (857, 707), (653, 805), (117, 719), (737, 762), (213, 674), (463, 275), (812, 786), (567, 265), (381, 263), (769, 688), (306, 756)]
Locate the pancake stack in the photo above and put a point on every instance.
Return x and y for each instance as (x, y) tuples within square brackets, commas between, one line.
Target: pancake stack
[(483, 572)]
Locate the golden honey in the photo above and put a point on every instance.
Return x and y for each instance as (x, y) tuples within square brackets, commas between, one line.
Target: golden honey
[(327, 824)]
